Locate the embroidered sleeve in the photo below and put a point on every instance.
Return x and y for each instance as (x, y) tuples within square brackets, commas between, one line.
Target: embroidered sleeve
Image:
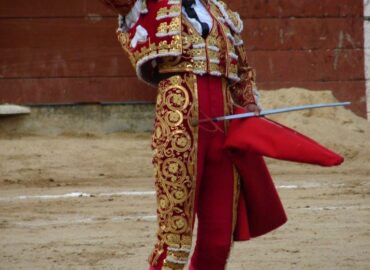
[(232, 18), (245, 91)]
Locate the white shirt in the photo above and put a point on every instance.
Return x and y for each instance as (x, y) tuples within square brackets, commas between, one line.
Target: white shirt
[(203, 15)]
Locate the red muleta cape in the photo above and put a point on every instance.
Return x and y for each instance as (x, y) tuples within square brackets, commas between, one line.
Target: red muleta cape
[(248, 140)]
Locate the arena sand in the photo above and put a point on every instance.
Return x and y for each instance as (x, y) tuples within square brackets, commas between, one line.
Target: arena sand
[(95, 220)]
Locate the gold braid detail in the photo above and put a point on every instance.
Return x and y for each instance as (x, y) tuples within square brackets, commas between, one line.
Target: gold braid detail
[(174, 143)]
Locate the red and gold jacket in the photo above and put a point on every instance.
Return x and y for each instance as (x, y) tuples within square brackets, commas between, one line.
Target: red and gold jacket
[(163, 41)]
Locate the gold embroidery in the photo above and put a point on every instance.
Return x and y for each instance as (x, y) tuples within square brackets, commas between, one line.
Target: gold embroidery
[(124, 39), (169, 67), (220, 43), (213, 55), (198, 52), (233, 69), (235, 19), (216, 68), (200, 66), (196, 39), (204, 56), (162, 29), (238, 40), (173, 266), (167, 12), (169, 29), (162, 12), (174, 141)]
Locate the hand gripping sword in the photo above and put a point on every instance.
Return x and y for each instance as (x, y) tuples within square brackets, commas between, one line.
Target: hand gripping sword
[(269, 112)]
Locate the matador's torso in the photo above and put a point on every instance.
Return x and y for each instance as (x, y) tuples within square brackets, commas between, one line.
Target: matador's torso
[(162, 40)]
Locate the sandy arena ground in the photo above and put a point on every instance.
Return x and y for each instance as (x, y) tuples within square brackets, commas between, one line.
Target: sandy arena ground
[(88, 202)]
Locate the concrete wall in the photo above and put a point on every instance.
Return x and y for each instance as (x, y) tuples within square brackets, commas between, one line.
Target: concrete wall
[(79, 120), (65, 52)]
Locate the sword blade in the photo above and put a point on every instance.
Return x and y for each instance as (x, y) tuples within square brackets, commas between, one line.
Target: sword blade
[(275, 111)]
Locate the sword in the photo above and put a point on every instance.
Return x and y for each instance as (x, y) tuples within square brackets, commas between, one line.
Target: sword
[(269, 112)]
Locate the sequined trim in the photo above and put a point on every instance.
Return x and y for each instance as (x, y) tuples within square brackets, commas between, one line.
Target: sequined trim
[(169, 29), (215, 55), (232, 18), (168, 12)]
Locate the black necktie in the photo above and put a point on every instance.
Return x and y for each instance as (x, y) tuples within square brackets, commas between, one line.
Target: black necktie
[(188, 5)]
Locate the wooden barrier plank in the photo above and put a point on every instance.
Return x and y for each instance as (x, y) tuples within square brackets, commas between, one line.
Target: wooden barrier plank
[(266, 34), (61, 48), (58, 33), (304, 33), (249, 9), (47, 8), (74, 90), (76, 47), (69, 62), (319, 65), (298, 8), (96, 90)]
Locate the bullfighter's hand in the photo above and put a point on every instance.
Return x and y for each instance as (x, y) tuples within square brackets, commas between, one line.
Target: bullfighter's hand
[(252, 107)]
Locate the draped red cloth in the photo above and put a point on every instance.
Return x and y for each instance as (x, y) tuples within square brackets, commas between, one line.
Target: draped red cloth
[(260, 208)]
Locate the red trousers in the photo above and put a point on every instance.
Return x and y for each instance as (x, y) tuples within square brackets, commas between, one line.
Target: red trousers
[(215, 183)]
